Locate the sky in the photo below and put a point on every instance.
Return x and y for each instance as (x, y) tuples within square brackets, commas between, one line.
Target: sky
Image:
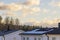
[(32, 12)]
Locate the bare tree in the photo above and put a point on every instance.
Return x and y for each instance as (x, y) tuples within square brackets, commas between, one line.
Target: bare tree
[(7, 23), (0, 19), (7, 20), (17, 21), (11, 21)]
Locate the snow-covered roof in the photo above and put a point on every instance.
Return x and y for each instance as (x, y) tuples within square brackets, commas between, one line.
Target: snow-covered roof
[(9, 31), (36, 32), (32, 32)]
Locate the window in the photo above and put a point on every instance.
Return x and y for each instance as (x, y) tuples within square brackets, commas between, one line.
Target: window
[(53, 38), (39, 38), (34, 38), (27, 38), (23, 38)]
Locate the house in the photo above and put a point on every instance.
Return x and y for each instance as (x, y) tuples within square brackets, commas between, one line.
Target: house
[(42, 34), (10, 35)]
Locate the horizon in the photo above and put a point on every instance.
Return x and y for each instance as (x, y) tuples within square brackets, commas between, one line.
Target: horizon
[(32, 12)]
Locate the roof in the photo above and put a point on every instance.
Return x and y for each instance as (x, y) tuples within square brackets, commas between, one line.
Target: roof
[(7, 32), (55, 31), (43, 31), (37, 31)]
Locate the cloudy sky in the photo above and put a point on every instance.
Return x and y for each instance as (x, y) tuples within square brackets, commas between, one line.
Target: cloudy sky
[(37, 12)]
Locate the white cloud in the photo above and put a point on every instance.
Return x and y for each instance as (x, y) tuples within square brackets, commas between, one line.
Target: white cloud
[(33, 2), (54, 12), (36, 9), (1, 3), (2, 6), (10, 14), (47, 22), (55, 4), (45, 10), (14, 7), (25, 9)]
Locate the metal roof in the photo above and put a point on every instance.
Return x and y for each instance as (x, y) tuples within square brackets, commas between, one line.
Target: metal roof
[(6, 32)]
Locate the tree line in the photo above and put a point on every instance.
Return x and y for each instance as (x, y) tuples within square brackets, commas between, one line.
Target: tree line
[(13, 24)]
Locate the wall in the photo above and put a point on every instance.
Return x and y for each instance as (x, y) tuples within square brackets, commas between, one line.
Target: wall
[(1, 38), (51, 36), (13, 36), (31, 37)]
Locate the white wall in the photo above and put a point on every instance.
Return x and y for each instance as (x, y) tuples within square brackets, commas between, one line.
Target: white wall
[(31, 37), (51, 36), (12, 36), (1, 38)]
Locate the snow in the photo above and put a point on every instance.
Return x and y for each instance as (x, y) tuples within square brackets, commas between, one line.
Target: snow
[(37, 32), (33, 32)]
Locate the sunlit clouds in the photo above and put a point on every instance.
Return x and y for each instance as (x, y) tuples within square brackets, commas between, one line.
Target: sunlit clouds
[(14, 7), (45, 10), (20, 7), (35, 12), (33, 2), (1, 3), (55, 3)]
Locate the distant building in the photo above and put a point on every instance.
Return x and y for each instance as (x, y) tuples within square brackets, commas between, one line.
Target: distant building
[(42, 34), (10, 35)]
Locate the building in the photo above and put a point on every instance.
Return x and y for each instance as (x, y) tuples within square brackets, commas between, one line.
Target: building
[(42, 34), (10, 35)]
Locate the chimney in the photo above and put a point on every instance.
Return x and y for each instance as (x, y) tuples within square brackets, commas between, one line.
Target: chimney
[(59, 24)]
